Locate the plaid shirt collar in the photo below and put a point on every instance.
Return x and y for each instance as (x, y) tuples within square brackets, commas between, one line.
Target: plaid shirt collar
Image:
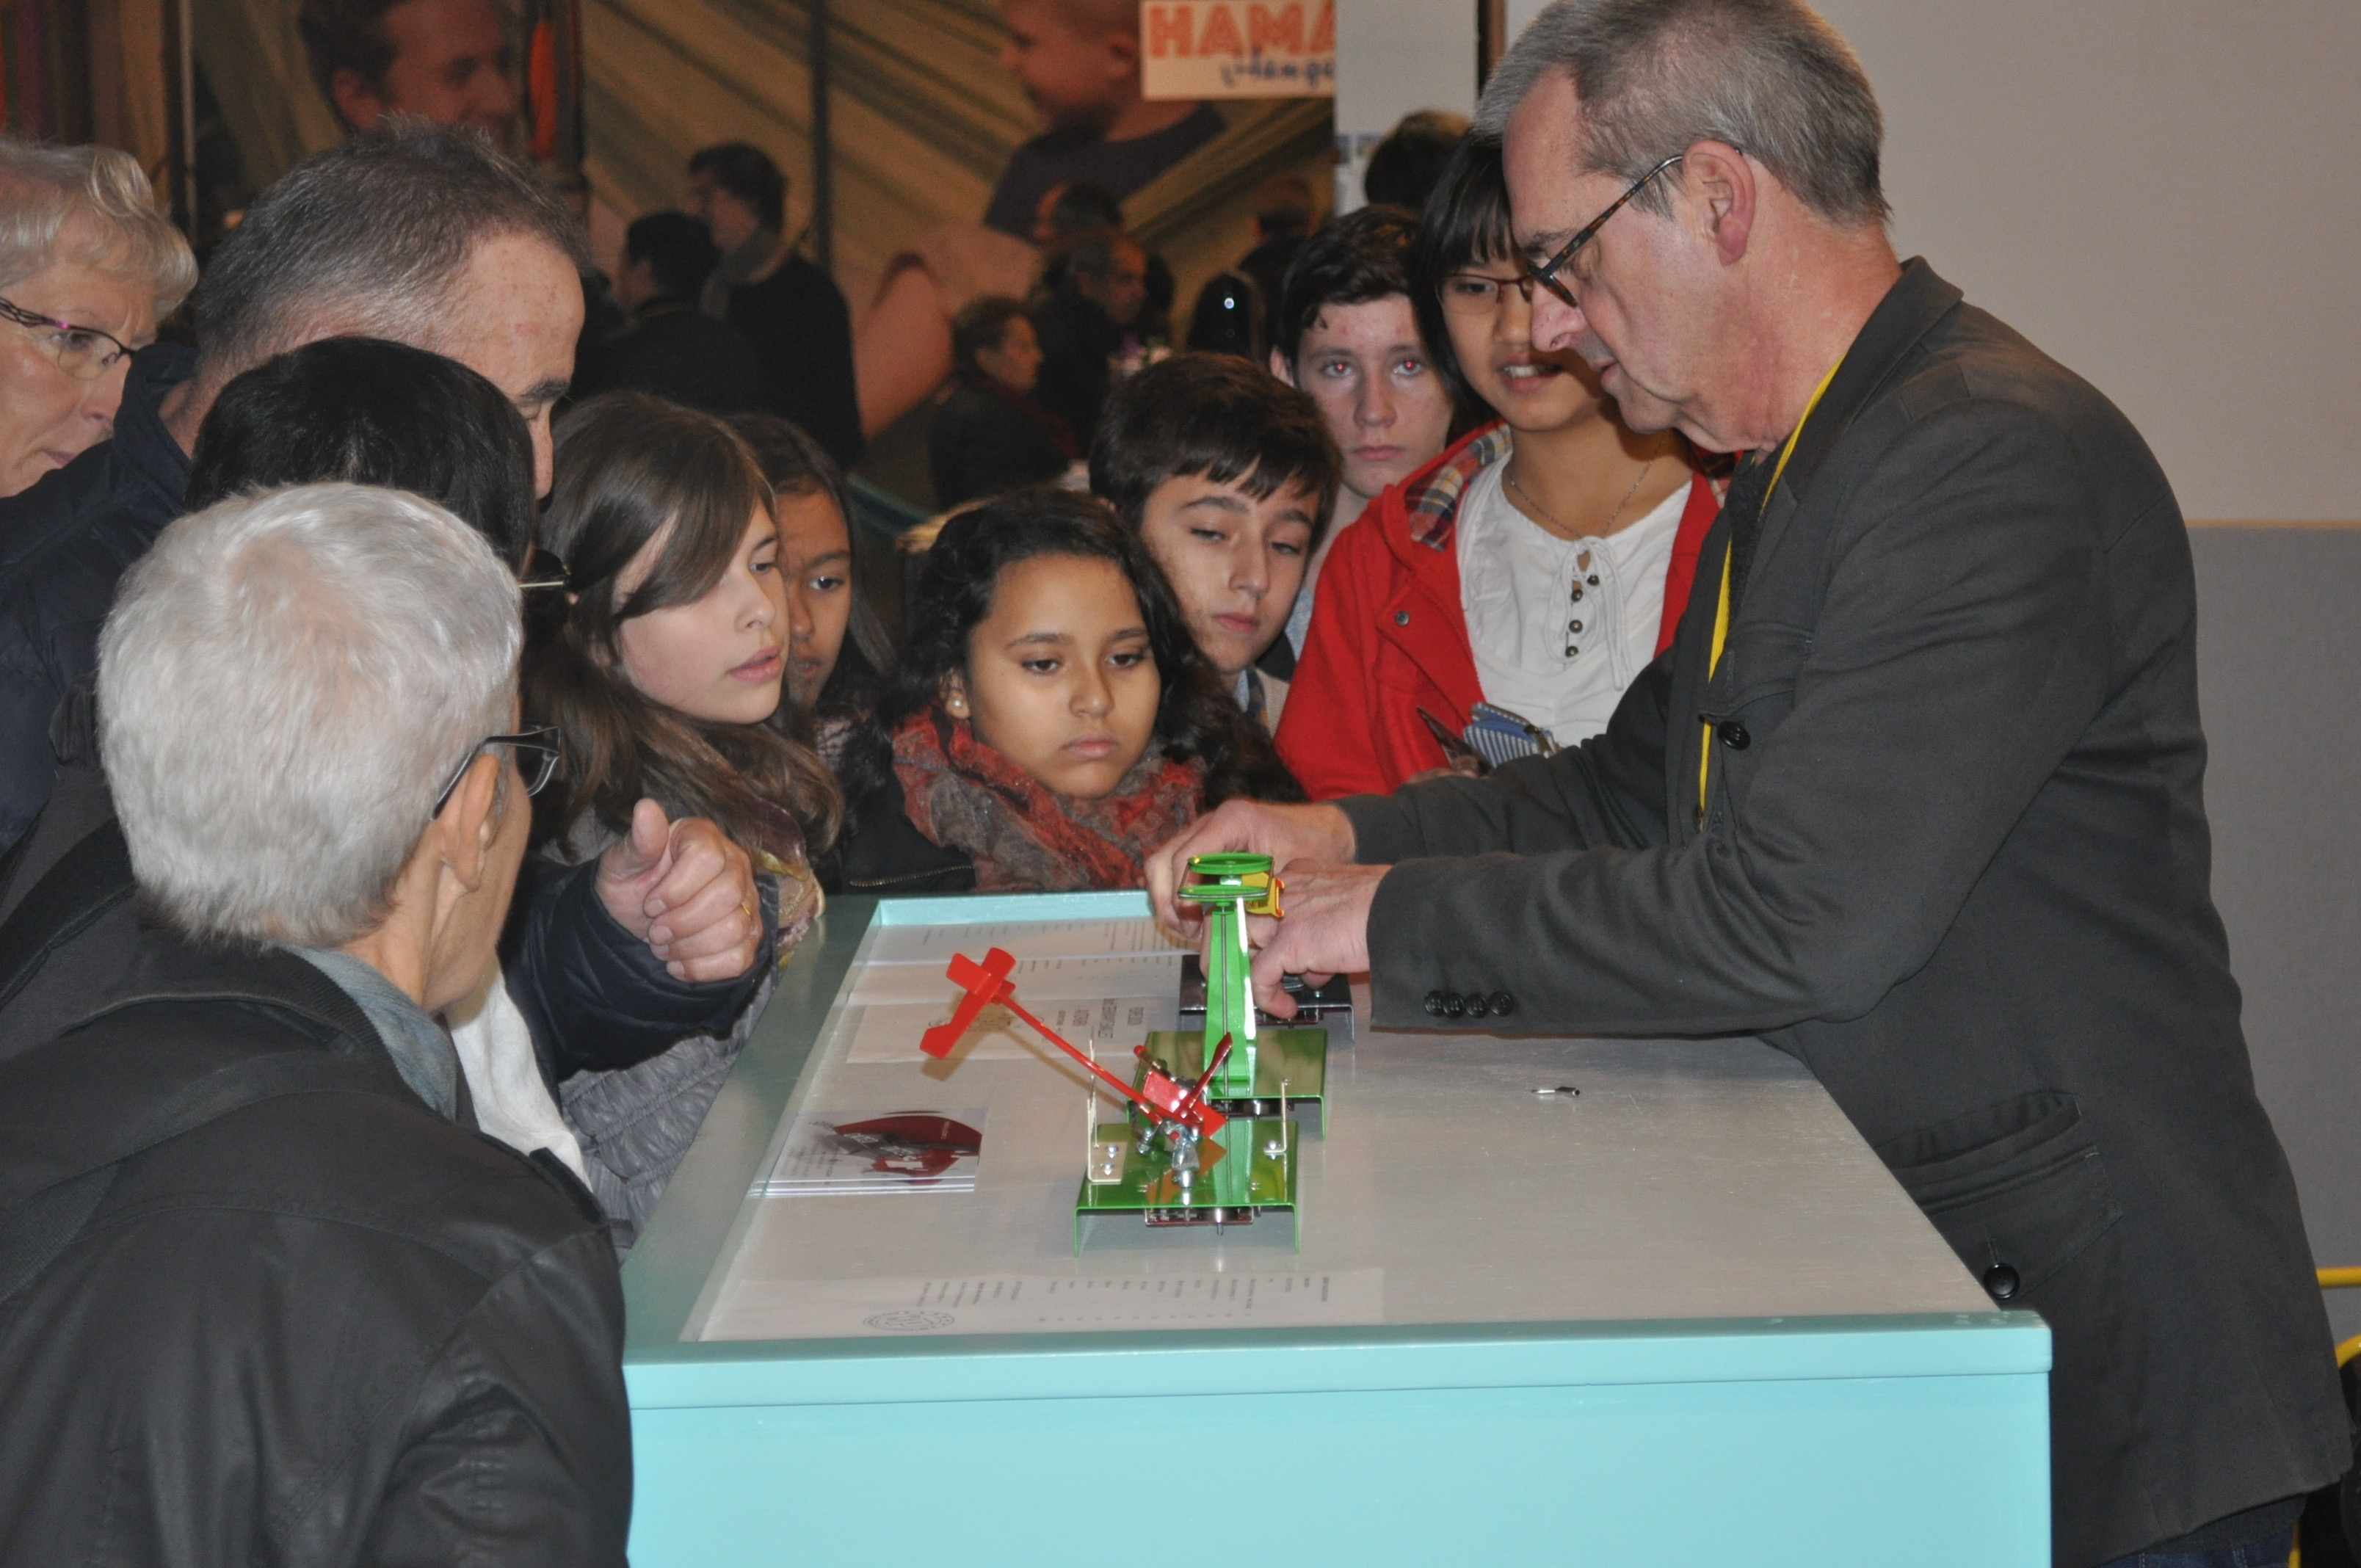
[(1433, 508)]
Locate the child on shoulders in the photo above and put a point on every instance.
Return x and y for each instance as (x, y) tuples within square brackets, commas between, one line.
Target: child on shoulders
[(1228, 476), (1050, 722)]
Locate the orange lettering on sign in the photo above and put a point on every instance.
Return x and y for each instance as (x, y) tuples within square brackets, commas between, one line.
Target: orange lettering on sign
[(1168, 31), (1284, 31), (1323, 30), (1221, 33)]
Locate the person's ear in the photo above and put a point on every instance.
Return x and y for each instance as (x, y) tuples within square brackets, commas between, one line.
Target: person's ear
[(954, 694), (471, 820), (1722, 190), (1283, 367), (1122, 46), (356, 100)]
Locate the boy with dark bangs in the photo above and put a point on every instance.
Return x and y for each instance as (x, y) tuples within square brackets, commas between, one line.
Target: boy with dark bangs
[(1229, 477)]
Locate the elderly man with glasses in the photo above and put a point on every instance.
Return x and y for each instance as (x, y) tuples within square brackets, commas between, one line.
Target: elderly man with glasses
[(589, 983), (263, 1287), (1916, 793)]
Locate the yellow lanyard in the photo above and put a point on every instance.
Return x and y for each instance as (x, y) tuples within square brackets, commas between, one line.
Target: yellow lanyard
[(1721, 609)]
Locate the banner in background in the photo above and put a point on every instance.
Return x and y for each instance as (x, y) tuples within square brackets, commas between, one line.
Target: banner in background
[(1238, 49)]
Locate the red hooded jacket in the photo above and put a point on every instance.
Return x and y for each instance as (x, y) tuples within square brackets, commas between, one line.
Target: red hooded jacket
[(1388, 636)]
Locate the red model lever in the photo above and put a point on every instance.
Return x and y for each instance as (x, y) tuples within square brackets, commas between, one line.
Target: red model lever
[(1159, 1096)]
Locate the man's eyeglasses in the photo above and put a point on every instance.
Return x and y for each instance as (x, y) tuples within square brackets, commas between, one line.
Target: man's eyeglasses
[(536, 751), (85, 353), (544, 570), (1546, 274)]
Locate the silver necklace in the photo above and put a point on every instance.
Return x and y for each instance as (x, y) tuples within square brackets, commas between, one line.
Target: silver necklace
[(1510, 474)]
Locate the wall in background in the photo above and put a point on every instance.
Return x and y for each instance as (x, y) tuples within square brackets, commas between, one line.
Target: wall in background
[(2155, 192), (2276, 669)]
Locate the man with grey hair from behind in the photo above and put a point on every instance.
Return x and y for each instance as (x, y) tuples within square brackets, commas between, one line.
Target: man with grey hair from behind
[(1917, 795), (425, 237), (262, 1285)]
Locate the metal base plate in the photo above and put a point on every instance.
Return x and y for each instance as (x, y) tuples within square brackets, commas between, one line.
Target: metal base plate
[(1246, 1168)]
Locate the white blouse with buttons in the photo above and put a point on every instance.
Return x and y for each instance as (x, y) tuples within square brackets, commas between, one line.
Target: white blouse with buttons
[(1560, 627)]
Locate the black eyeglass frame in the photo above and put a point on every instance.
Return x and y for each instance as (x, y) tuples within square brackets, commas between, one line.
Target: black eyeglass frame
[(1523, 283), (1546, 273), (543, 569), (23, 317), (542, 741)]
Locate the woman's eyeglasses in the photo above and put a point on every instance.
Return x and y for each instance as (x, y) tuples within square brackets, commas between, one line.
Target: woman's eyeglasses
[(85, 353)]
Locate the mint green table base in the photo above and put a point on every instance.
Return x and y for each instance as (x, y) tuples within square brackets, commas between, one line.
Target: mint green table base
[(1816, 1446), (1765, 1442)]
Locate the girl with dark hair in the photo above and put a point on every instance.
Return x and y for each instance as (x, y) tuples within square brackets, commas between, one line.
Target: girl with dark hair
[(1508, 592), (837, 647), (1050, 720), (666, 679)]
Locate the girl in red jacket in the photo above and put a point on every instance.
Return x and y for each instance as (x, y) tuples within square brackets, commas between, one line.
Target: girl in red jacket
[(1536, 566)]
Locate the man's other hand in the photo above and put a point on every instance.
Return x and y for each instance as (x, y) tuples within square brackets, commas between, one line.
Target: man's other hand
[(1284, 833), (1327, 931), (687, 890)]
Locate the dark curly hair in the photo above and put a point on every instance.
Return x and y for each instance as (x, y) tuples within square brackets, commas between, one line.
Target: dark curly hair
[(630, 468), (1195, 720)]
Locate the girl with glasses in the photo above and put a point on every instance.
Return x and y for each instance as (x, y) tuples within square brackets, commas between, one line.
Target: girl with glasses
[(1503, 597)]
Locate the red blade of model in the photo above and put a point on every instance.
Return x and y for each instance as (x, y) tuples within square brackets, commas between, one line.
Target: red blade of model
[(984, 983), (988, 982)]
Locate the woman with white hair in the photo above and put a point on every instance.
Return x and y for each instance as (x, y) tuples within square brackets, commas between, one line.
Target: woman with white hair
[(250, 1235), (88, 267)]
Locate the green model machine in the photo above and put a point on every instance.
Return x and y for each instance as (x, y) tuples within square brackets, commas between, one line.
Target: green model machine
[(1209, 1138)]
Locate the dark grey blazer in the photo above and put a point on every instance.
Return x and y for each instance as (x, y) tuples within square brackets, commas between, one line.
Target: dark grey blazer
[(1953, 857)]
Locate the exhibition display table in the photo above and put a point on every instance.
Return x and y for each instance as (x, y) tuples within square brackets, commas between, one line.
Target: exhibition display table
[(1680, 1316)]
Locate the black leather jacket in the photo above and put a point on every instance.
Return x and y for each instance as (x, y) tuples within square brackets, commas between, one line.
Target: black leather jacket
[(307, 1320)]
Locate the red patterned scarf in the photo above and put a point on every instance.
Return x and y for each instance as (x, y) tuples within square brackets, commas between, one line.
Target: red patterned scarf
[(963, 794)]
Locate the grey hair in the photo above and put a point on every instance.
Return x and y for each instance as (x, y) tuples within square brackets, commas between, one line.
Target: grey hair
[(1770, 77), (370, 238), (286, 682), (90, 205)]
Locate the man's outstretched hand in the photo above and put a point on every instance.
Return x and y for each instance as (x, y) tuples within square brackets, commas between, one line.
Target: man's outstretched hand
[(1327, 931), (1328, 899), (687, 890), (1284, 833)]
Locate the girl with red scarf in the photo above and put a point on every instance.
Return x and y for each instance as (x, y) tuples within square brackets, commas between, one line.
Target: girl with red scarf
[(1050, 720)]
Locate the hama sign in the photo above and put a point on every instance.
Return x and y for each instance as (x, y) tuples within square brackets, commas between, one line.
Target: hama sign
[(1238, 49)]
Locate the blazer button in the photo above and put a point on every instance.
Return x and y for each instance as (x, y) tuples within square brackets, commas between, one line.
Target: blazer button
[(2001, 1281), (1734, 736), (1454, 1004), (1434, 1004), (1475, 1004), (1402, 618), (1502, 1004)]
